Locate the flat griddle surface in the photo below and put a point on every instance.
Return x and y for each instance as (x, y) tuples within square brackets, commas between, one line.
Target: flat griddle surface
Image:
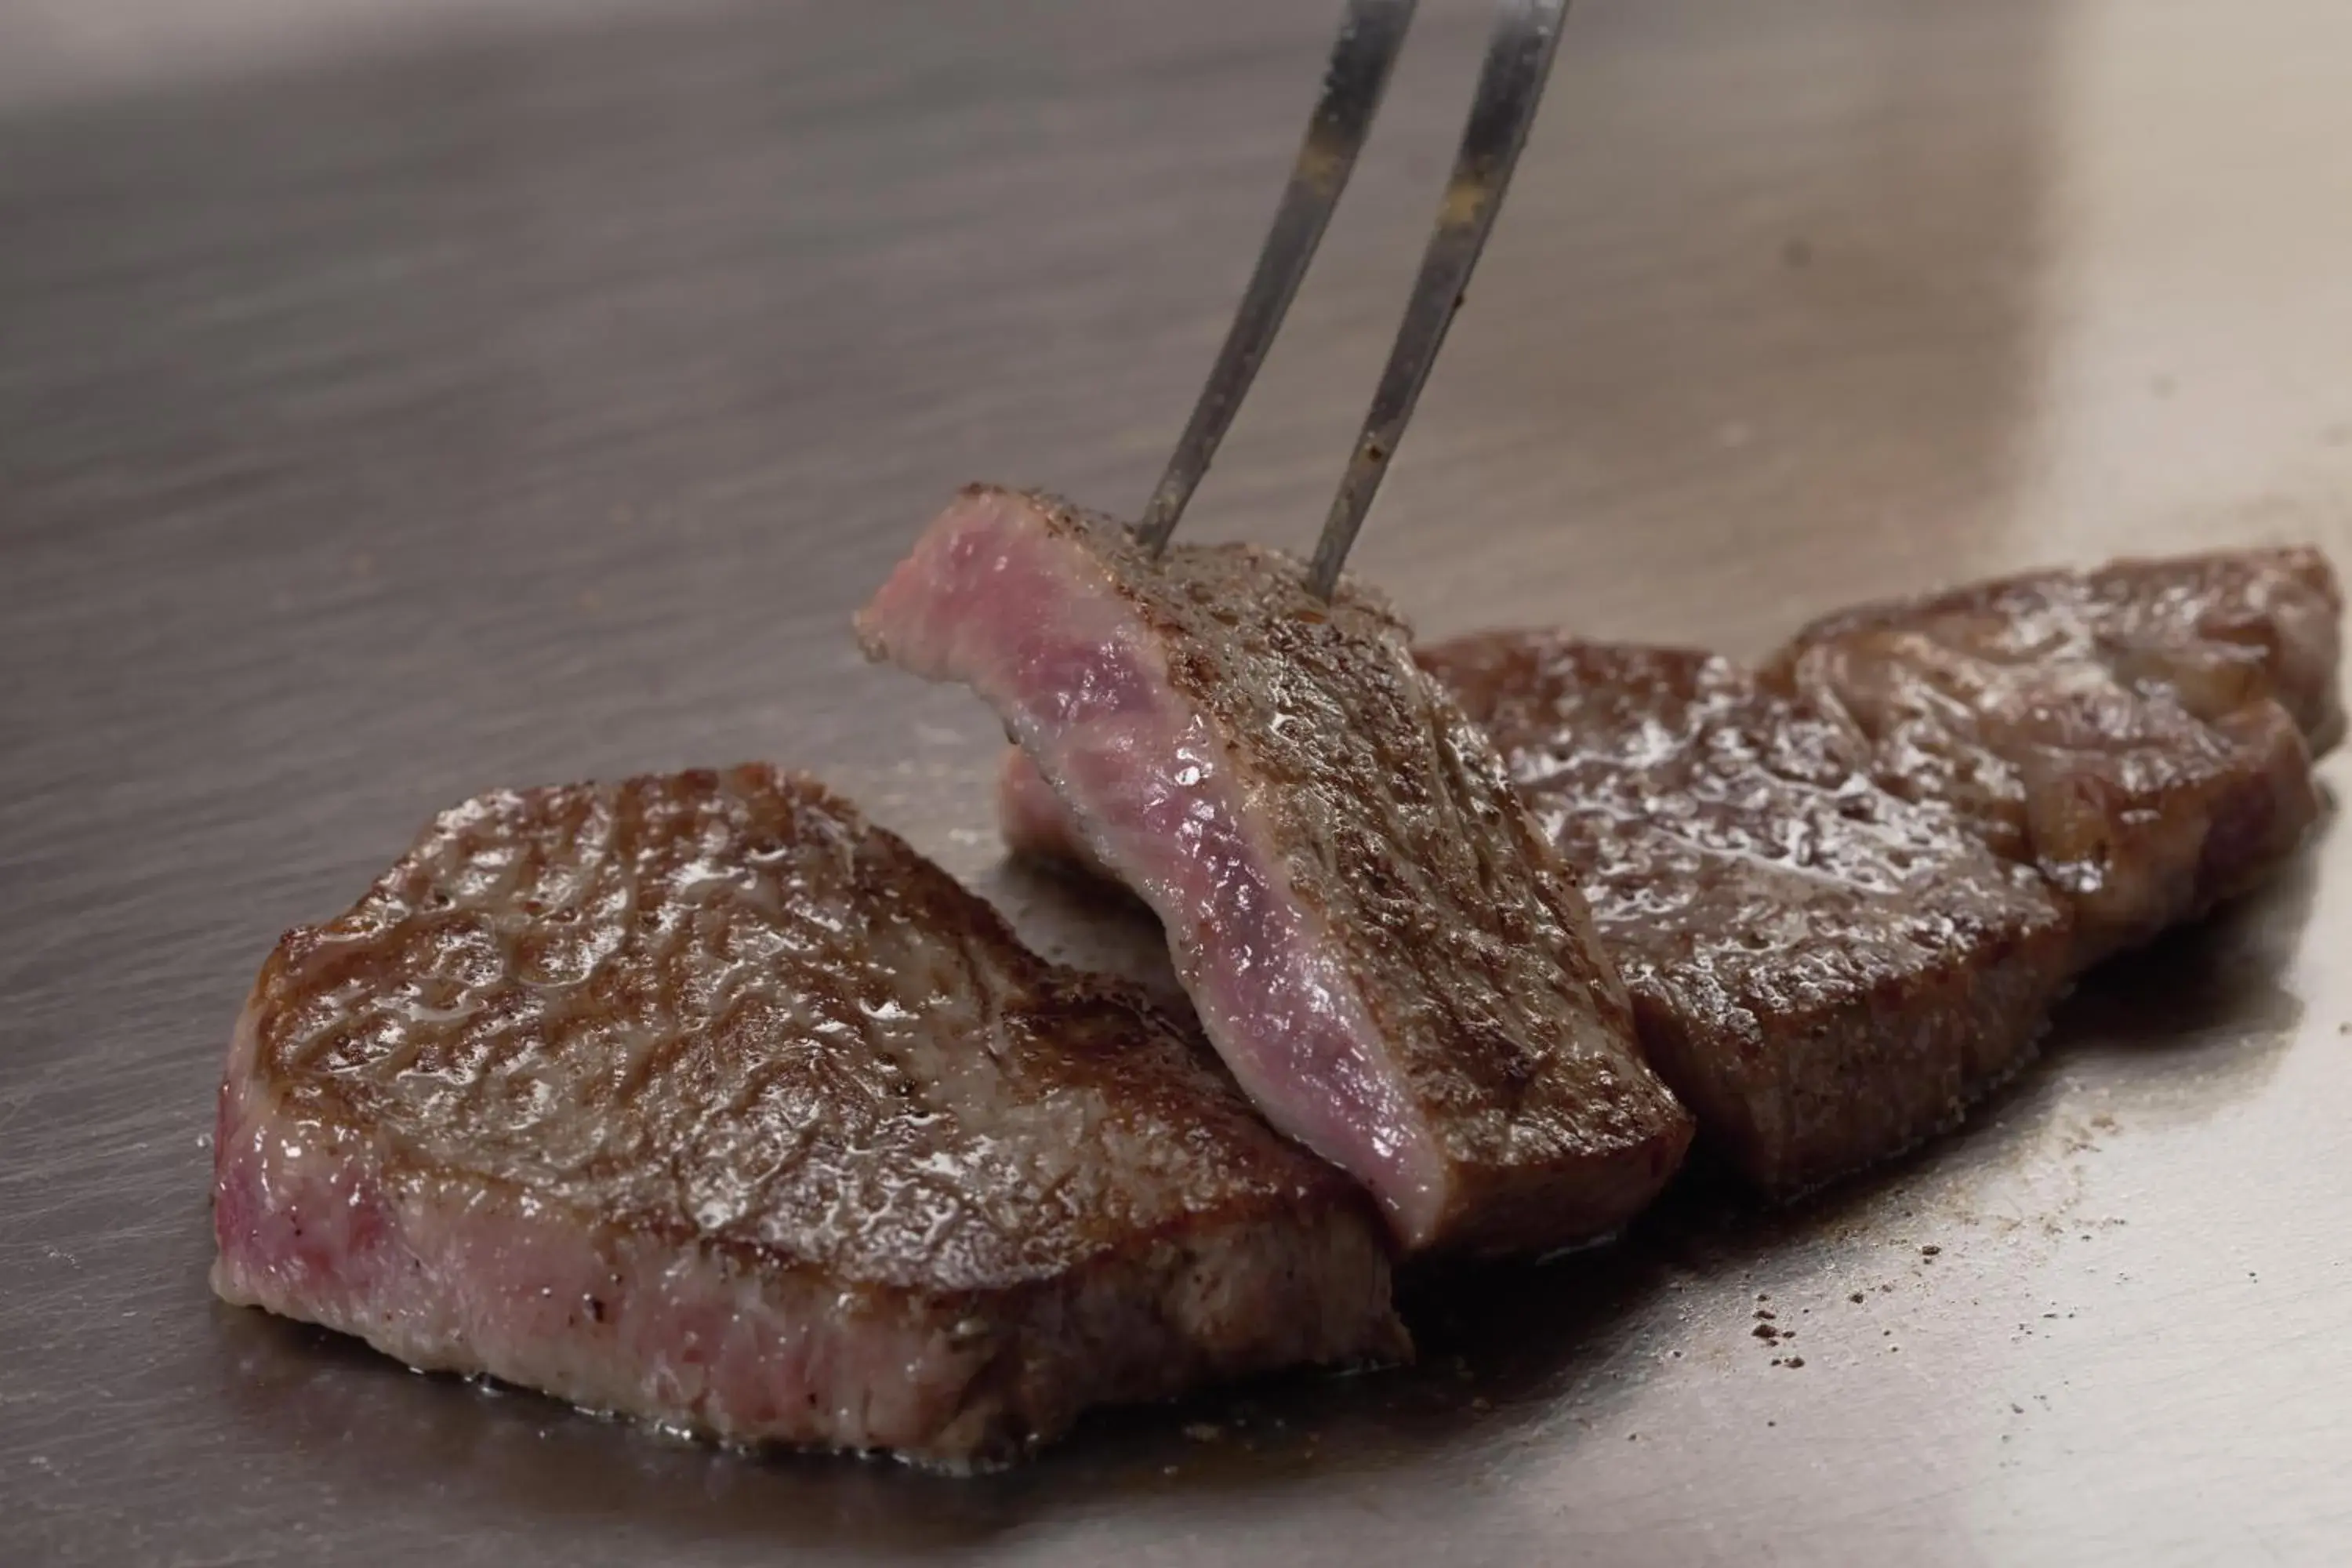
[(411, 403)]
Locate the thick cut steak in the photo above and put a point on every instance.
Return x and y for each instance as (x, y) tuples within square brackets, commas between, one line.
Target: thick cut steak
[(1825, 958), (700, 1100), (1824, 973), (1379, 937), (2142, 733)]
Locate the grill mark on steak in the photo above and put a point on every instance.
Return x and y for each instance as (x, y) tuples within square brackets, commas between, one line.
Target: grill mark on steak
[(2142, 733), (700, 1098), (1380, 940)]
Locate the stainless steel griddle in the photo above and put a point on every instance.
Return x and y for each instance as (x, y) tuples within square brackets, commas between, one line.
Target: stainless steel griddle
[(424, 398)]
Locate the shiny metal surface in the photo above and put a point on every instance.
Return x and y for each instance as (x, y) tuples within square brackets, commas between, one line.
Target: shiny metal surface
[(396, 411)]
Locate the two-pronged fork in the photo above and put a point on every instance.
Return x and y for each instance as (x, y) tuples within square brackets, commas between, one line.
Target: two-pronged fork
[(1510, 85)]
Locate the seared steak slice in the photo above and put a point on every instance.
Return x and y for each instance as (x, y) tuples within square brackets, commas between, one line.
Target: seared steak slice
[(700, 1100), (2215, 632), (2141, 733), (1825, 973), (1380, 938)]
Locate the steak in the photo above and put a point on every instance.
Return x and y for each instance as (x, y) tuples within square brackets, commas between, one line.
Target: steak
[(1824, 972), (1035, 824), (2141, 733), (1836, 934), (700, 1100), (1379, 937), (2213, 632)]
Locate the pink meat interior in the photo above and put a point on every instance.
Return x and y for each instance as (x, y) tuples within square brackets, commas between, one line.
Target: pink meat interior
[(1035, 624)]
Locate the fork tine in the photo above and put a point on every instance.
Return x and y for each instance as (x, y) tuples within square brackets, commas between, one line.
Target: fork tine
[(1371, 33), (1510, 85)]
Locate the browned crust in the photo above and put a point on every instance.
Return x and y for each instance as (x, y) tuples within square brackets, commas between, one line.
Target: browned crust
[(322, 1124), (1551, 1132), (1700, 808), (2141, 733)]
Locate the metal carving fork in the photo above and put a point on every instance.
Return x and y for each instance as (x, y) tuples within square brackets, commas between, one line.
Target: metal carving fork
[(1510, 85)]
